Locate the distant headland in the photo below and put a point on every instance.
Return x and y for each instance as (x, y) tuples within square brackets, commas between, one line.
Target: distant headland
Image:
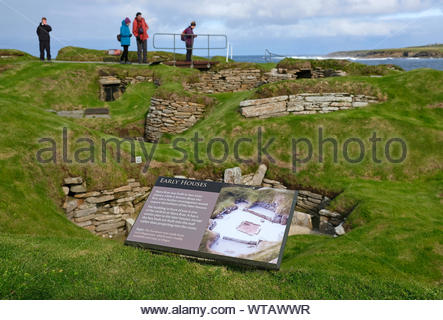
[(427, 51)]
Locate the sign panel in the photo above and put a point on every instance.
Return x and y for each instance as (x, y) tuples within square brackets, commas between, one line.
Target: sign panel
[(213, 220)]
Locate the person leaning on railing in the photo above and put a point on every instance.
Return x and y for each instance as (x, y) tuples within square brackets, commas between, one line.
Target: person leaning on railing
[(188, 37)]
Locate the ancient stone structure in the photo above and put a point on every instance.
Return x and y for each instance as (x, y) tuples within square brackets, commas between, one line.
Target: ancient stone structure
[(303, 72), (107, 212), (112, 87), (240, 79), (111, 212), (171, 116), (227, 80), (304, 103)]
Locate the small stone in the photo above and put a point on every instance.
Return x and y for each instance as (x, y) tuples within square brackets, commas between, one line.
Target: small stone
[(330, 214), (339, 230), (85, 218), (88, 194), (232, 175), (257, 179), (134, 184), (84, 223), (85, 212), (73, 180), (110, 226), (65, 190), (123, 189), (70, 204), (116, 210), (100, 199), (78, 188), (129, 223)]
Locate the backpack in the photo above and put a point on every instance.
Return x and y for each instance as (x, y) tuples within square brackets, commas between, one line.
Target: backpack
[(183, 35), (119, 37)]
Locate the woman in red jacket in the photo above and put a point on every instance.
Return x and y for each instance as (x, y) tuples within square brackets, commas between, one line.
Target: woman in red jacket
[(140, 31)]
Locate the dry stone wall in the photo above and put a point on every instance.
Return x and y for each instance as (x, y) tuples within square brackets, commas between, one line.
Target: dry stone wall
[(227, 80), (304, 103), (236, 79), (171, 116), (107, 212)]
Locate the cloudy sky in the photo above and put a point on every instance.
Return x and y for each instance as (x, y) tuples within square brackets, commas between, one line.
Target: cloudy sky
[(284, 26)]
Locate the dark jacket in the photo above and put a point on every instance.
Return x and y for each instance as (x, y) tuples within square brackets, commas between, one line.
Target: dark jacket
[(189, 37), (43, 32)]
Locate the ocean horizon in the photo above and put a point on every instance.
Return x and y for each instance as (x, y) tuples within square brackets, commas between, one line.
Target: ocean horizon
[(405, 63)]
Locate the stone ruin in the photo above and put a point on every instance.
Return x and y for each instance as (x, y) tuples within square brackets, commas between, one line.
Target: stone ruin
[(112, 87), (303, 103), (171, 116), (112, 212), (241, 79), (105, 213)]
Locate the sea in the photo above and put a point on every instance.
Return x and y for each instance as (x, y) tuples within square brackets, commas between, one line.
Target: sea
[(405, 63)]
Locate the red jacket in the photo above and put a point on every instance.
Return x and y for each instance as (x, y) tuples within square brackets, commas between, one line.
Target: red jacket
[(136, 24)]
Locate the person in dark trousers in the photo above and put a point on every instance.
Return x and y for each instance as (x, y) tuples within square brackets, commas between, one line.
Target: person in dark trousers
[(140, 31), (43, 30), (188, 36), (125, 39)]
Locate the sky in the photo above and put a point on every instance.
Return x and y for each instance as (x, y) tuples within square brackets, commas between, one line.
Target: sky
[(295, 27)]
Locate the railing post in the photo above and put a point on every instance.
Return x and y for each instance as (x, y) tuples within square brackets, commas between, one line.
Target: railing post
[(174, 51)]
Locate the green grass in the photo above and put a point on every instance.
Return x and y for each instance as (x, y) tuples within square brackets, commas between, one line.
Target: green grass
[(82, 54), (394, 250)]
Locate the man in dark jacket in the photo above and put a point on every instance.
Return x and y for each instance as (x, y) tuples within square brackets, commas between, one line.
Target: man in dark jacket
[(43, 30), (189, 36)]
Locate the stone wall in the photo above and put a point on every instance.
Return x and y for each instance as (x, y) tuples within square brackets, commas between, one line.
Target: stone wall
[(171, 116), (278, 74), (236, 79), (304, 103), (227, 80), (107, 212)]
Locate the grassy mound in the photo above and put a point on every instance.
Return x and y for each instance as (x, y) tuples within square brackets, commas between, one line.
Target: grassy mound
[(82, 54), (351, 68), (315, 86), (7, 54), (393, 251)]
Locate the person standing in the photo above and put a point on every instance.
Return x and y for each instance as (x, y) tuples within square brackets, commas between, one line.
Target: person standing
[(125, 39), (43, 30), (140, 31), (188, 36)]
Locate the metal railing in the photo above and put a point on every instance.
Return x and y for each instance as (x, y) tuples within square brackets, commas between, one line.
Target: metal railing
[(176, 47)]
